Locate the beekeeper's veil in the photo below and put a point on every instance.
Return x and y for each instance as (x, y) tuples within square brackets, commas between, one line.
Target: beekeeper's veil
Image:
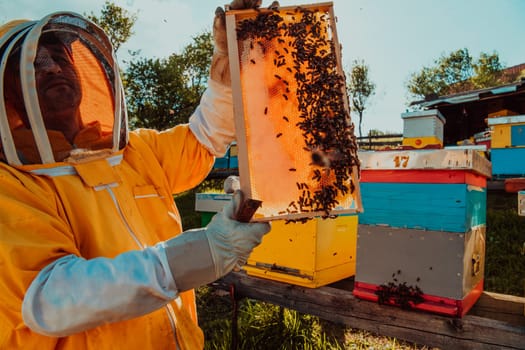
[(91, 105)]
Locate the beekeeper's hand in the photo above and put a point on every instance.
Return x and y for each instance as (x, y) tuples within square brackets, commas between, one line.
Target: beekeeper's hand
[(220, 66), (201, 256)]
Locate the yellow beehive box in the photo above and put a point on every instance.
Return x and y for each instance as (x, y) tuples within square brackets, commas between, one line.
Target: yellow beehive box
[(422, 142), (311, 254), (297, 149), (500, 136), (502, 113), (502, 130)]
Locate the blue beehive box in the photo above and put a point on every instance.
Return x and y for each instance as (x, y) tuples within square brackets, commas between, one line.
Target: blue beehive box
[(508, 162), (438, 189)]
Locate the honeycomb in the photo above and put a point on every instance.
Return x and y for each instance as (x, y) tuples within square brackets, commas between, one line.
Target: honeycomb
[(296, 142)]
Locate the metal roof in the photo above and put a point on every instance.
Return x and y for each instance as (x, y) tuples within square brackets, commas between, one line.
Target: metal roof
[(469, 96)]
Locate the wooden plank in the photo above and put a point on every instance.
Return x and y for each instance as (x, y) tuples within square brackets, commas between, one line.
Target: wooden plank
[(506, 308), (337, 304)]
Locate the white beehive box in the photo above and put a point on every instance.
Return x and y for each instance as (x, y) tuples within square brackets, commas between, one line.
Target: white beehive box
[(423, 123)]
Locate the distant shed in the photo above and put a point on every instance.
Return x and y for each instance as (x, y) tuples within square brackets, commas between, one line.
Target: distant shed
[(466, 113)]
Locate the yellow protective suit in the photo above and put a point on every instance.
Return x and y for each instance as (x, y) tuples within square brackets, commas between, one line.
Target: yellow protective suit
[(44, 218), (113, 199)]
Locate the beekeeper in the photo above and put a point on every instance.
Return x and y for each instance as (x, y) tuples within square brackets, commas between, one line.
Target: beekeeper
[(91, 250)]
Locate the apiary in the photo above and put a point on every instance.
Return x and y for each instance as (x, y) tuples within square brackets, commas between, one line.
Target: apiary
[(422, 129), (297, 151), (421, 238)]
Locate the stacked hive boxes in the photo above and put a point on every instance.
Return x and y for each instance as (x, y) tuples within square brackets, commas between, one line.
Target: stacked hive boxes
[(508, 144), (421, 241)]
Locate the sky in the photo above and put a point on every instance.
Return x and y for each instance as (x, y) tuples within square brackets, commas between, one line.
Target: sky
[(395, 38)]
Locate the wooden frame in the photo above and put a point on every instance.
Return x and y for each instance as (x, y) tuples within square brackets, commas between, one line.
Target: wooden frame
[(297, 149)]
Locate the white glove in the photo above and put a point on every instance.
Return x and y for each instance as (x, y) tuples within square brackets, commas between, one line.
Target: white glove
[(201, 256)]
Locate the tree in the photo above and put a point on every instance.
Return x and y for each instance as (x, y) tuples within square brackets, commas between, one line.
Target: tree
[(486, 71), (360, 89), (164, 92), (455, 73), (116, 22)]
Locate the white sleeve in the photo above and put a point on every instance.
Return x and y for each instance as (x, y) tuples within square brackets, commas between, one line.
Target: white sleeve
[(212, 123), (73, 294)]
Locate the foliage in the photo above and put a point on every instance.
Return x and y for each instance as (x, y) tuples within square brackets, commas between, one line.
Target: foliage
[(487, 71), (505, 242), (376, 132), (260, 325), (360, 89), (455, 73), (165, 92), (116, 22)]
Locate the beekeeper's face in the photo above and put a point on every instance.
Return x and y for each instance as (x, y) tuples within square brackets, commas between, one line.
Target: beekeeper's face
[(57, 83), (58, 74)]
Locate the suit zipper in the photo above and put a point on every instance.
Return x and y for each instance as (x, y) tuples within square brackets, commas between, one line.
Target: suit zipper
[(168, 307)]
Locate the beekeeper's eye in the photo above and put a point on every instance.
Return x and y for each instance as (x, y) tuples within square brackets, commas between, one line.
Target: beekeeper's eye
[(51, 57)]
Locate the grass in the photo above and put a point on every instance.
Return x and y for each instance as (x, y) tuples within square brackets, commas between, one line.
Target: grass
[(505, 243), (265, 326)]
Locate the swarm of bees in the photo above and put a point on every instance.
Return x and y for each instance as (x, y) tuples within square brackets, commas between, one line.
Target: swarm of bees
[(400, 294), (302, 35)]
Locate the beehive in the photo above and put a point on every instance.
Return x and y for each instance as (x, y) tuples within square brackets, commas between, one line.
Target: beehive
[(311, 254), (423, 128), (508, 145), (508, 131), (425, 217), (434, 189), (297, 151), (208, 204)]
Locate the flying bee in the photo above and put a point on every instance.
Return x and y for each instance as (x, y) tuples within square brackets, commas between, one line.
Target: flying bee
[(325, 158)]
